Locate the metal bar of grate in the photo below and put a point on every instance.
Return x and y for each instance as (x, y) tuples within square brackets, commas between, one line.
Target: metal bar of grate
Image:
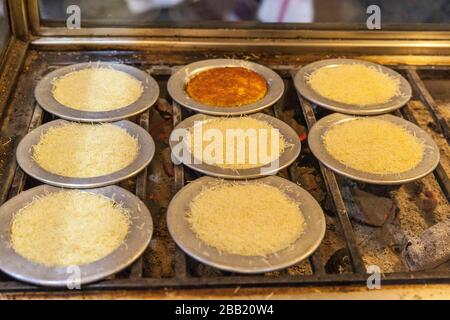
[(137, 267), (180, 257), (180, 264), (178, 169), (19, 176), (17, 121), (244, 281), (333, 189), (315, 260), (425, 96)]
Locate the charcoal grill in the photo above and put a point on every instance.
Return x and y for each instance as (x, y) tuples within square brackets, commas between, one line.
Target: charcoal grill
[(34, 51)]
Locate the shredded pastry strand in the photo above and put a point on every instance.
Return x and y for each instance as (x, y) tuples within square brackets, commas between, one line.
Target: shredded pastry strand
[(354, 84), (374, 146), (97, 89), (85, 150), (69, 228), (250, 219)]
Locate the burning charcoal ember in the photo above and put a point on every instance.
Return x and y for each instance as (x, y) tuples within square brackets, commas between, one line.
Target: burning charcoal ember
[(367, 208), (429, 201), (167, 162), (381, 191), (393, 236), (339, 262), (164, 108), (428, 250), (299, 129), (160, 131), (165, 132), (376, 210), (309, 179)]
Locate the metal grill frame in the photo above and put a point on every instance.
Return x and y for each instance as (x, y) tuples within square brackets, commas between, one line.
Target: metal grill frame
[(26, 119)]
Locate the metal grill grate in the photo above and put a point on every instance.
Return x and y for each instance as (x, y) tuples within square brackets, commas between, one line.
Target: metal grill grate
[(23, 115)]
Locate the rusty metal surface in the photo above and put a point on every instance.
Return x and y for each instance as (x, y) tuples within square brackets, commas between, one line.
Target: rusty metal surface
[(389, 292), (10, 67)]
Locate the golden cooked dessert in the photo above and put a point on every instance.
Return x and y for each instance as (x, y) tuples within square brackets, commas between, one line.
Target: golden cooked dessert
[(97, 89), (374, 146), (355, 84), (256, 147), (69, 228), (227, 87), (85, 150), (248, 219)]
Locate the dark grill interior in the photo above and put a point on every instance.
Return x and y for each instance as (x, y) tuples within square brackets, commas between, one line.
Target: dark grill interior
[(342, 257)]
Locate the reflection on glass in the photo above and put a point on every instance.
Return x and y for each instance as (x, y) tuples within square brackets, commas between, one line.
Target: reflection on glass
[(182, 12)]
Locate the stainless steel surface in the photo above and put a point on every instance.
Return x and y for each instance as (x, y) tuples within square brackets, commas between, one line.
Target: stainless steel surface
[(287, 157), (26, 162), (428, 164), (19, 19), (137, 239), (395, 51), (177, 82), (394, 103), (44, 96), (187, 240)]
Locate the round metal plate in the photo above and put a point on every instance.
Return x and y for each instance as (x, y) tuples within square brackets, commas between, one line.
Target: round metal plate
[(187, 240), (305, 89), (428, 164), (136, 241), (178, 81), (27, 163), (44, 96), (287, 157)]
